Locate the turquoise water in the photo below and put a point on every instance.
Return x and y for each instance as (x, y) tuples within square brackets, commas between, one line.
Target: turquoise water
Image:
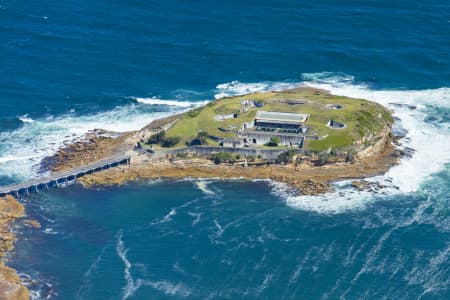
[(73, 66)]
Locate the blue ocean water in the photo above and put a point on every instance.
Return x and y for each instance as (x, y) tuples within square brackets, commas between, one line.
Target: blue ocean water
[(67, 67)]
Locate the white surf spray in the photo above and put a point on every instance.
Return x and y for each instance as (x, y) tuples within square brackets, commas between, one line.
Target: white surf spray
[(157, 101), (412, 110), (25, 119), (237, 88), (203, 186), (22, 150), (430, 140)]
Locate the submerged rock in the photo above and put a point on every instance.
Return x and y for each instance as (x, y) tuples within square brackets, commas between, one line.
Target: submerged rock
[(31, 223)]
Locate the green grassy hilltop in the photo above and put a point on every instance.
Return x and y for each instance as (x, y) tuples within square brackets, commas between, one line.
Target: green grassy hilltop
[(361, 117)]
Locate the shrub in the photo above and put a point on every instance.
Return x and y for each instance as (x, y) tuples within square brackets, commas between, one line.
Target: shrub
[(350, 157), (323, 158), (285, 157), (251, 158), (195, 112), (200, 139), (222, 157), (170, 141), (238, 156), (274, 141), (259, 103), (334, 152), (157, 138)]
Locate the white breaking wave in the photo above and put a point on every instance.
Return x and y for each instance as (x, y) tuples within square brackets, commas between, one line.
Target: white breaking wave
[(22, 150), (25, 119), (203, 186), (9, 158), (157, 101), (412, 108), (328, 78), (237, 88)]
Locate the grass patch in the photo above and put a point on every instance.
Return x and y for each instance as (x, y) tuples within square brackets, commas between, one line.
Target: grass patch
[(360, 116)]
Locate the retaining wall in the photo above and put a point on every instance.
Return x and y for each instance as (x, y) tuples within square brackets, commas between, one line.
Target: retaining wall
[(206, 151)]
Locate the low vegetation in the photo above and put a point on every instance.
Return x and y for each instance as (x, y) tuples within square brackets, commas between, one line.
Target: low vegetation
[(361, 117), (200, 139), (286, 157), (274, 142), (160, 138), (223, 157)]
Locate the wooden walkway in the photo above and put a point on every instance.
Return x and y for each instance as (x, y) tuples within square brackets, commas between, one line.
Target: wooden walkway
[(61, 178)]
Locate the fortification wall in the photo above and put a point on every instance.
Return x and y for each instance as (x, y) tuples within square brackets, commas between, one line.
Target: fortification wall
[(206, 150)]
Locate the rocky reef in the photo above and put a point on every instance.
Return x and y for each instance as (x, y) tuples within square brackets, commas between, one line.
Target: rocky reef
[(93, 146), (11, 287), (306, 177)]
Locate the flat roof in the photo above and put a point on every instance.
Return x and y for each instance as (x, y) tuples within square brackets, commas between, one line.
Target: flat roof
[(281, 116)]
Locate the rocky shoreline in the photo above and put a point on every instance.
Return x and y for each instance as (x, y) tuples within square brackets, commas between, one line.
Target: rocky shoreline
[(11, 287), (307, 178)]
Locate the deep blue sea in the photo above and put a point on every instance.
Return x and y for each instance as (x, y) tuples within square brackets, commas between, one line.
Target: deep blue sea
[(67, 67)]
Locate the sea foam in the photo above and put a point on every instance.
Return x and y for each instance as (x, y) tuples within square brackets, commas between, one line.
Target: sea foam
[(25, 119), (157, 101), (237, 88), (22, 150), (420, 116), (429, 137)]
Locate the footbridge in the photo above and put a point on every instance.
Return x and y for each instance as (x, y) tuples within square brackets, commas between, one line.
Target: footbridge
[(57, 179)]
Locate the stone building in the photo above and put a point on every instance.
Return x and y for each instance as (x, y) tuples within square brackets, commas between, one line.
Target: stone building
[(289, 128)]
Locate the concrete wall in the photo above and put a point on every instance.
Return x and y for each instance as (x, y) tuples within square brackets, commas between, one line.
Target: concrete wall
[(206, 151), (264, 138)]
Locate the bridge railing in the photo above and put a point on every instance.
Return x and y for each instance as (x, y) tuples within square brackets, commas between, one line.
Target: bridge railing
[(58, 176)]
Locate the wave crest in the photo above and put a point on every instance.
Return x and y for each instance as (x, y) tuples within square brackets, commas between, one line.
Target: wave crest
[(237, 88), (157, 101)]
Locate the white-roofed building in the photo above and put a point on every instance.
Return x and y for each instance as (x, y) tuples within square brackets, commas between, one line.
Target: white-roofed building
[(287, 127)]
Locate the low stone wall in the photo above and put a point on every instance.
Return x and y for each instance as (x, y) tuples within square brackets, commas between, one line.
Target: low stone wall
[(205, 151)]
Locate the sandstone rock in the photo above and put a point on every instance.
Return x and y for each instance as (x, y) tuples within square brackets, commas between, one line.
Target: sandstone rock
[(11, 287), (358, 185)]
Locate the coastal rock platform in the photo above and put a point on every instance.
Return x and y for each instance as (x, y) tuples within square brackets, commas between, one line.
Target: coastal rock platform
[(11, 287)]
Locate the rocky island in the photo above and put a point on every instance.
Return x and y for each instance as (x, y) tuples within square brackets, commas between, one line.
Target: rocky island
[(304, 137)]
